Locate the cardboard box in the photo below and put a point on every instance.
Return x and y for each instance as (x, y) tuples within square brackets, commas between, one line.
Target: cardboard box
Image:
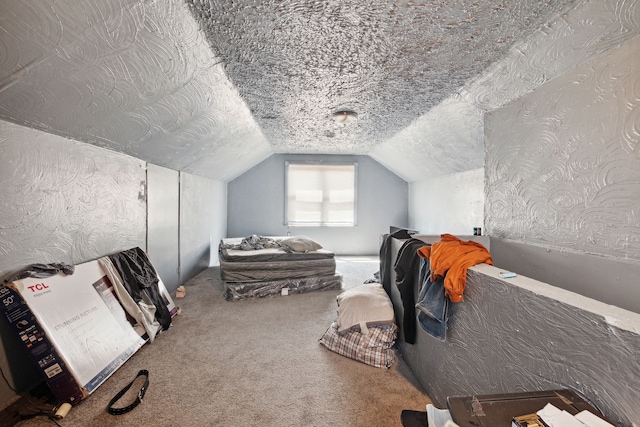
[(73, 327), (166, 297)]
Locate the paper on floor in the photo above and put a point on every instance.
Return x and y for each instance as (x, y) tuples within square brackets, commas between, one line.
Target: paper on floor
[(592, 420), (554, 417)]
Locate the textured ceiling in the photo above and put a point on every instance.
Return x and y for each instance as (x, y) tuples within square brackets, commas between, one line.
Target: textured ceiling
[(296, 62), (213, 87)]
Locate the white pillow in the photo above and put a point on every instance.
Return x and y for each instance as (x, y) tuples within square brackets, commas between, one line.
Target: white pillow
[(365, 305), (300, 244)]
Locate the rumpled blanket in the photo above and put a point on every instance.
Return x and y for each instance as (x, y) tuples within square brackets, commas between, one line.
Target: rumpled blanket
[(254, 242), (43, 270)]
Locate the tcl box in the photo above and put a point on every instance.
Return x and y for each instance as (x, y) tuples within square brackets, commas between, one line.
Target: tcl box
[(74, 328)]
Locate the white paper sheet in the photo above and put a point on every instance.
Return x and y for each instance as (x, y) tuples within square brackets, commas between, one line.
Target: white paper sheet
[(554, 417), (592, 420)]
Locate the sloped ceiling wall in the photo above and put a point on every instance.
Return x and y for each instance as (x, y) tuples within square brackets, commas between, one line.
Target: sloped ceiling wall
[(214, 87), (132, 76), (450, 137)]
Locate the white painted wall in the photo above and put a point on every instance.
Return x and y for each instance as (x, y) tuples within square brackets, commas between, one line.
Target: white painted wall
[(203, 223), (256, 204), (163, 230), (447, 204)]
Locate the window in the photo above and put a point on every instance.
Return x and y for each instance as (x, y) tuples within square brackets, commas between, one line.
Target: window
[(320, 194)]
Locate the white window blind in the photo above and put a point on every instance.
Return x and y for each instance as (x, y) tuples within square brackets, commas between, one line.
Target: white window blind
[(321, 194)]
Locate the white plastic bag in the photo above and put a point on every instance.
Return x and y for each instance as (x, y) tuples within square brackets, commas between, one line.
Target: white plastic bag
[(439, 417)]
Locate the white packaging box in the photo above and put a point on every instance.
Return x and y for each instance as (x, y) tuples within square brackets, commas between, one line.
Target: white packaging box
[(74, 328)]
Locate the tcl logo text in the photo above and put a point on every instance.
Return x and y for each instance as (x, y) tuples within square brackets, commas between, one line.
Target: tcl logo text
[(38, 287)]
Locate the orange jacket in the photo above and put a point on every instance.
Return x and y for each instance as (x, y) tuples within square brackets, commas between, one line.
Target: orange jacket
[(452, 256)]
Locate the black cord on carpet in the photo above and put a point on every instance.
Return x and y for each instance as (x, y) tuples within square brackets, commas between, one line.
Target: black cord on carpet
[(19, 411)]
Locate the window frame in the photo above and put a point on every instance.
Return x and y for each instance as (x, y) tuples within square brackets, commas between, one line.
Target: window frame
[(287, 222)]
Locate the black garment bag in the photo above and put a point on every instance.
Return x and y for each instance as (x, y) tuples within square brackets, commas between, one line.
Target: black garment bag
[(141, 281)]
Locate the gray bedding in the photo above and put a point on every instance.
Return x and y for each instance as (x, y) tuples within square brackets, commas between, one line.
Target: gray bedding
[(266, 255), (245, 290), (291, 269)]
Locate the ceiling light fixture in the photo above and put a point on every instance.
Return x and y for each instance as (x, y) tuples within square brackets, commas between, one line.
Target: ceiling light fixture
[(344, 117)]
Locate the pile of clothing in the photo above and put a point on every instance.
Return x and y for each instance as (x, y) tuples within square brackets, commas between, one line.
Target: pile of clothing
[(439, 272)]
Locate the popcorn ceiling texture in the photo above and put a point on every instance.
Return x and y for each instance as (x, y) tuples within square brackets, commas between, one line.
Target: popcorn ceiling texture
[(296, 62)]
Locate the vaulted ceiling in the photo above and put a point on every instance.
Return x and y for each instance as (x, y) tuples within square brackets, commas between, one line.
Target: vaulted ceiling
[(212, 87)]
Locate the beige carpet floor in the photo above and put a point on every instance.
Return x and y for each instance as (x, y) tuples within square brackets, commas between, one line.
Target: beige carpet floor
[(254, 363)]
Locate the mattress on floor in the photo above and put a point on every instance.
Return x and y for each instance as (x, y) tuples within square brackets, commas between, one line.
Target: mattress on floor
[(267, 255), (276, 270), (247, 290)]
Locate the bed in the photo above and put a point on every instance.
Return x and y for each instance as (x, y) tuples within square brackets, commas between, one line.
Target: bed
[(259, 266)]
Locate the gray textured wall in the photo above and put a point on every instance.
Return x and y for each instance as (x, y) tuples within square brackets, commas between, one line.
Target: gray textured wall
[(65, 201), (519, 335), (62, 201), (256, 205), (505, 338), (563, 162), (563, 179)]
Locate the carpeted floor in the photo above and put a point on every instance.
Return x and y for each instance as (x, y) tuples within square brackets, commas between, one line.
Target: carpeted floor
[(254, 363)]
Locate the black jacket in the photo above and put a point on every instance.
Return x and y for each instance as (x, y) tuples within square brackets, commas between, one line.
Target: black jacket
[(407, 267)]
